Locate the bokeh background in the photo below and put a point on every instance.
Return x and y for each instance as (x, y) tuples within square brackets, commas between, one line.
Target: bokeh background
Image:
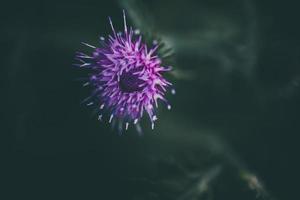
[(233, 130)]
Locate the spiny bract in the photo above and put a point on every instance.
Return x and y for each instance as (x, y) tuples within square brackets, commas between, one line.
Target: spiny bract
[(126, 77)]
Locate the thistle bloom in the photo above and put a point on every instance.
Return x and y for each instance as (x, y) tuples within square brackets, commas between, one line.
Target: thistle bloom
[(126, 77)]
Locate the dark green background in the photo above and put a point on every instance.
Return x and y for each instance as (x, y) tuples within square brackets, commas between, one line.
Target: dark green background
[(237, 75)]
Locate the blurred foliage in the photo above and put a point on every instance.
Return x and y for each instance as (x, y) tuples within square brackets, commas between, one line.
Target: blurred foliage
[(233, 129)]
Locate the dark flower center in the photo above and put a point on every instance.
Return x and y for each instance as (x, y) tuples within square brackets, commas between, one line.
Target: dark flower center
[(130, 82)]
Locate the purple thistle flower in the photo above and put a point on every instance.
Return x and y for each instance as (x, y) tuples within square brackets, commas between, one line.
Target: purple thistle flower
[(126, 76)]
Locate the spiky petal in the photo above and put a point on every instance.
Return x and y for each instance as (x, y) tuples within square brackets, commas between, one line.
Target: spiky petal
[(126, 76)]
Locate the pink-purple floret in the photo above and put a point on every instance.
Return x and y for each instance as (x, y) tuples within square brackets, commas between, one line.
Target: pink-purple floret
[(127, 77)]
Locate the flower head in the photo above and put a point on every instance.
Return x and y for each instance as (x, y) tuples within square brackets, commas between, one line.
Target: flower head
[(127, 77)]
